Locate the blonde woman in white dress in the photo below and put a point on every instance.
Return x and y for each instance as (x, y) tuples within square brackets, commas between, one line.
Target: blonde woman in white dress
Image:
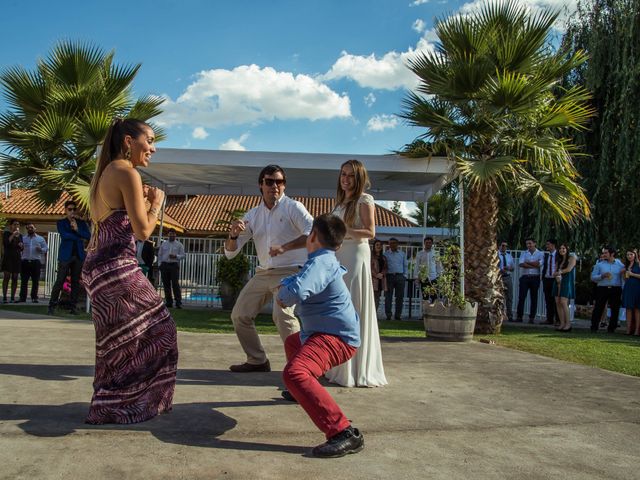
[(357, 210)]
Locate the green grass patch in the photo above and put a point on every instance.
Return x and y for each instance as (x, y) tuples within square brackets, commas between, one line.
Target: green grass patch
[(615, 352)]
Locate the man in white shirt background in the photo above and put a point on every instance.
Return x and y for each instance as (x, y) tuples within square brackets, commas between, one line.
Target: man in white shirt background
[(506, 269), (279, 227), (548, 279), (427, 261), (170, 254), (33, 253), (530, 262)]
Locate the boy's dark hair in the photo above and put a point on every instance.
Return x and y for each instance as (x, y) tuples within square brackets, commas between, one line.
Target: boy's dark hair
[(330, 230), (171, 230), (69, 202), (529, 239), (611, 249), (552, 241)]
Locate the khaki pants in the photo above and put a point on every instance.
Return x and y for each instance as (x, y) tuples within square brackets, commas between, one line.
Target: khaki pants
[(254, 295)]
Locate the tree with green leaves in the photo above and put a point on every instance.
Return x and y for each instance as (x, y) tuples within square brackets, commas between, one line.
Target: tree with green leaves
[(489, 96), (59, 114), (442, 209), (609, 32)]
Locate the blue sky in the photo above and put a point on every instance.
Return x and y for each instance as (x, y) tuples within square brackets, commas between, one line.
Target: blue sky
[(280, 75)]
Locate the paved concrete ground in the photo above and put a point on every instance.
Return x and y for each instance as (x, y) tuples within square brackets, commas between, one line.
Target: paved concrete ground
[(471, 411)]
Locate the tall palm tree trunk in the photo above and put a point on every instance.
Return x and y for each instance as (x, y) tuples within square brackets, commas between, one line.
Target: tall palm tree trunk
[(483, 283)]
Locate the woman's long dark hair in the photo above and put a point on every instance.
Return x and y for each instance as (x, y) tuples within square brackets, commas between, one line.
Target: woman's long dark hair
[(627, 264), (562, 260), (112, 148), (373, 248)]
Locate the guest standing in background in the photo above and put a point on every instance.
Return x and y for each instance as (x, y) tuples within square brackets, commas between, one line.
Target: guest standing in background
[(608, 276), (530, 262), (549, 280), (32, 259), (73, 233), (631, 292), (564, 288), (507, 266), (396, 276), (170, 254), (378, 271), (427, 267), (11, 260)]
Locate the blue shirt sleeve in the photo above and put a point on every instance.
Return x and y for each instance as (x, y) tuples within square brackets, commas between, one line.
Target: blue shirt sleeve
[(596, 276), (311, 280)]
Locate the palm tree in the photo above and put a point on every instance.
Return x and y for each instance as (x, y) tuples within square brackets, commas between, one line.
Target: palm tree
[(490, 97), (58, 115)]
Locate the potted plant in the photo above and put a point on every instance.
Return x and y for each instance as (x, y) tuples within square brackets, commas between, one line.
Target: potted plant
[(231, 275), (450, 317)]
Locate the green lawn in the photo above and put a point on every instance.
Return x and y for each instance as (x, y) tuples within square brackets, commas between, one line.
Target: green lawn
[(615, 352)]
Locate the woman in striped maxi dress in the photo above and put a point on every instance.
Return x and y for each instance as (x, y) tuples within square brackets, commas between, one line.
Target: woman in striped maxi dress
[(136, 341)]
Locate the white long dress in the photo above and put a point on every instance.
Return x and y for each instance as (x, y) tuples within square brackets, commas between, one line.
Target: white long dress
[(365, 368)]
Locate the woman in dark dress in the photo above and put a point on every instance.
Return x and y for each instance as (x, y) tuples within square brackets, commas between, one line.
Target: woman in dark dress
[(564, 288), (136, 347), (11, 259), (631, 292), (378, 271)]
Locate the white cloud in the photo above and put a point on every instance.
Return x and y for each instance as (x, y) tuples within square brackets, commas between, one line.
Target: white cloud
[(235, 143), (249, 94), (370, 99), (418, 2), (199, 133), (389, 72), (378, 123), (419, 25)]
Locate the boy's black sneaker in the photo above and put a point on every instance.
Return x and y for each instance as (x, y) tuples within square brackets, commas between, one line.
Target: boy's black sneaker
[(350, 440)]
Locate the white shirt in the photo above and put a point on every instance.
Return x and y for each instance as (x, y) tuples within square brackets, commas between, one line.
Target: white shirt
[(286, 221), (170, 248), (507, 266), (429, 259), (30, 244), (527, 256)]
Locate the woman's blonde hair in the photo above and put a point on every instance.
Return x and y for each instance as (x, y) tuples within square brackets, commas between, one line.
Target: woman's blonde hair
[(112, 147), (362, 183)]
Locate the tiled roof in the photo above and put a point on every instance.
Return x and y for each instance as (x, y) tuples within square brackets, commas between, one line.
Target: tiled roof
[(199, 214), (208, 213), (24, 203)]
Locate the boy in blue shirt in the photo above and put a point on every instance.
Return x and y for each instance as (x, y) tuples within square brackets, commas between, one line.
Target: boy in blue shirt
[(329, 335)]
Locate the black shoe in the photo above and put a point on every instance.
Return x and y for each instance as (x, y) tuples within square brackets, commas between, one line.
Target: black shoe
[(51, 310), (20, 300), (531, 321), (35, 300), (73, 311), (286, 394), (249, 367), (168, 305), (350, 440), (4, 300), (397, 318), (179, 306), (388, 318), (518, 320)]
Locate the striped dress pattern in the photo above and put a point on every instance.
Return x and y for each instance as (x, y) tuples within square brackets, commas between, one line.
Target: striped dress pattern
[(136, 339)]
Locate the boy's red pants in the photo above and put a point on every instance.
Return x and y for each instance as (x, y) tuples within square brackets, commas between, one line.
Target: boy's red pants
[(305, 363)]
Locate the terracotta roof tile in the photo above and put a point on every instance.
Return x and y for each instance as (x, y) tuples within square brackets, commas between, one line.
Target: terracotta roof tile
[(207, 213)]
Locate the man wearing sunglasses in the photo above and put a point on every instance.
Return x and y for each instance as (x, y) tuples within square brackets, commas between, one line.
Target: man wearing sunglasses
[(279, 227), (73, 232)]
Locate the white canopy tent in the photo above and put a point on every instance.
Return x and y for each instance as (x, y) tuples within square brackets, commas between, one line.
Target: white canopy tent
[(197, 172), (225, 172)]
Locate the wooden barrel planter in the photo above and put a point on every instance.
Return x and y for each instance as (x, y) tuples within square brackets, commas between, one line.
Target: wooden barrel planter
[(449, 323)]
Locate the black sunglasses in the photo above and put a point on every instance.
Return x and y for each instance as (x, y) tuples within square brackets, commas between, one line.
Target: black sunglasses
[(269, 182)]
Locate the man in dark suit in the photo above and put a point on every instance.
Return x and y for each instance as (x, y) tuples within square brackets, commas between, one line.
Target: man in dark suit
[(548, 279), (73, 233)]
